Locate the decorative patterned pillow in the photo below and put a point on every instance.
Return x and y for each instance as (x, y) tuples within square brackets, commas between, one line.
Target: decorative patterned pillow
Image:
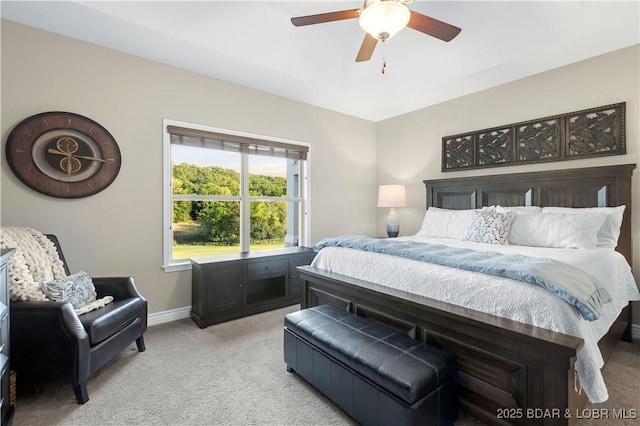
[(489, 226), (77, 289)]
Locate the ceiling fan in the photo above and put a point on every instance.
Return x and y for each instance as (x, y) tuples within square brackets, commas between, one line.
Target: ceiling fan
[(381, 20)]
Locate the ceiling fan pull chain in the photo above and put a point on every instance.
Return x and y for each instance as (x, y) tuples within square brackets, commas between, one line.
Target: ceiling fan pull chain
[(384, 54)]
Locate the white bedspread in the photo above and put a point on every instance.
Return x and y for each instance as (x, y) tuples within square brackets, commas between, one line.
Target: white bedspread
[(504, 297)]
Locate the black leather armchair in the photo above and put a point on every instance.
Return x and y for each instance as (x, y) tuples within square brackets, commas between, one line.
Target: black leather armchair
[(49, 341)]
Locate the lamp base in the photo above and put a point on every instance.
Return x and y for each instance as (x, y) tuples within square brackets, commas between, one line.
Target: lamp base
[(393, 227)]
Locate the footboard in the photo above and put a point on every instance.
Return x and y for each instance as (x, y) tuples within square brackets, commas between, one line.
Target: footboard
[(509, 373)]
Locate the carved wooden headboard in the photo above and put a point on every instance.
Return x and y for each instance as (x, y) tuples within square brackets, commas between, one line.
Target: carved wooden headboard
[(606, 186)]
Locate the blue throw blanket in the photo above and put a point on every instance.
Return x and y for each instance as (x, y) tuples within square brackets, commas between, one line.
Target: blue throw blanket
[(569, 283)]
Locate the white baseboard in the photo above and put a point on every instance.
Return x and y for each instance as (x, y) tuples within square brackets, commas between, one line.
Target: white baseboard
[(168, 316)]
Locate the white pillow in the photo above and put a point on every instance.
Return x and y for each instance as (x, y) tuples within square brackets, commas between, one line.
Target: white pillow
[(609, 231), (555, 230), (489, 226), (445, 223), (519, 209)]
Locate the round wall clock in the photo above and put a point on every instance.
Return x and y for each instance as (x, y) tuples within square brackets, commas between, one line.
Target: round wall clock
[(62, 154)]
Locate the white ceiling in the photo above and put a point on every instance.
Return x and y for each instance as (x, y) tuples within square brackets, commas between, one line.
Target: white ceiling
[(253, 43)]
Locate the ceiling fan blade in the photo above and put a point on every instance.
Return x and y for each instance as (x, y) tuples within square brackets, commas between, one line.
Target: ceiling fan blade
[(433, 27), (325, 17), (367, 47)]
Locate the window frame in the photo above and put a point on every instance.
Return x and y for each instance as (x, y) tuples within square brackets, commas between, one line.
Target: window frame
[(303, 199)]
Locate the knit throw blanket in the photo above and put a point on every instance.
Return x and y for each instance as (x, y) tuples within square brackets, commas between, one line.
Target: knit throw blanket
[(36, 272)]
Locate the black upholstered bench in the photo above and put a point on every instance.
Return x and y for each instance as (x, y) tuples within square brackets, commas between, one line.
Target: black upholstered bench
[(376, 374)]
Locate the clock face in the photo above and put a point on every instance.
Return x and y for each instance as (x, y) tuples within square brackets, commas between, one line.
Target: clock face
[(63, 155)]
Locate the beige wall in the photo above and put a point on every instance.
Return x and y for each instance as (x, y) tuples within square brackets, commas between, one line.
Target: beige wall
[(409, 147), (119, 231)]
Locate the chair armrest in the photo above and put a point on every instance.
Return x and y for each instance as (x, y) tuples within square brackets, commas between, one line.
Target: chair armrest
[(118, 287), (47, 317), (56, 327)]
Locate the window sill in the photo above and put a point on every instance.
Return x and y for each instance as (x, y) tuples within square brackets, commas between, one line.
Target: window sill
[(177, 267)]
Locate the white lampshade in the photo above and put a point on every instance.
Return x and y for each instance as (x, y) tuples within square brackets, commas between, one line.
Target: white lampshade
[(392, 196), (384, 19)]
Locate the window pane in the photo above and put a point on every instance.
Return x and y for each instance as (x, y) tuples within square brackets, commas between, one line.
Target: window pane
[(274, 224), (230, 193), (203, 228), (273, 177), (204, 171)]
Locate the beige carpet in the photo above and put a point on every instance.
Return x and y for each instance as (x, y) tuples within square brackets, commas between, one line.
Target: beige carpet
[(231, 374)]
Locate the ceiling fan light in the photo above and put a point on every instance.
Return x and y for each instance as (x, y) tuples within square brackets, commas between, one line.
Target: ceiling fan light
[(384, 19)]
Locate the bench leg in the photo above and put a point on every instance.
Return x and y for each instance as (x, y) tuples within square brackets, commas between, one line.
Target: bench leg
[(80, 390), (140, 344)]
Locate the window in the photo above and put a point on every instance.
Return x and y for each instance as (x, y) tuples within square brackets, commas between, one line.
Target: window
[(230, 192)]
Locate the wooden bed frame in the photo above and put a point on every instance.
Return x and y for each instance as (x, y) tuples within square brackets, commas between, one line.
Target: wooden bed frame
[(509, 372)]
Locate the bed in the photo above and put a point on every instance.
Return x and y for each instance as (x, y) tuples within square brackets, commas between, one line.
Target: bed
[(511, 372)]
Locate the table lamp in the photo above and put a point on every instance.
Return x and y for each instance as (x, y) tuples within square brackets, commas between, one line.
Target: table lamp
[(392, 196)]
